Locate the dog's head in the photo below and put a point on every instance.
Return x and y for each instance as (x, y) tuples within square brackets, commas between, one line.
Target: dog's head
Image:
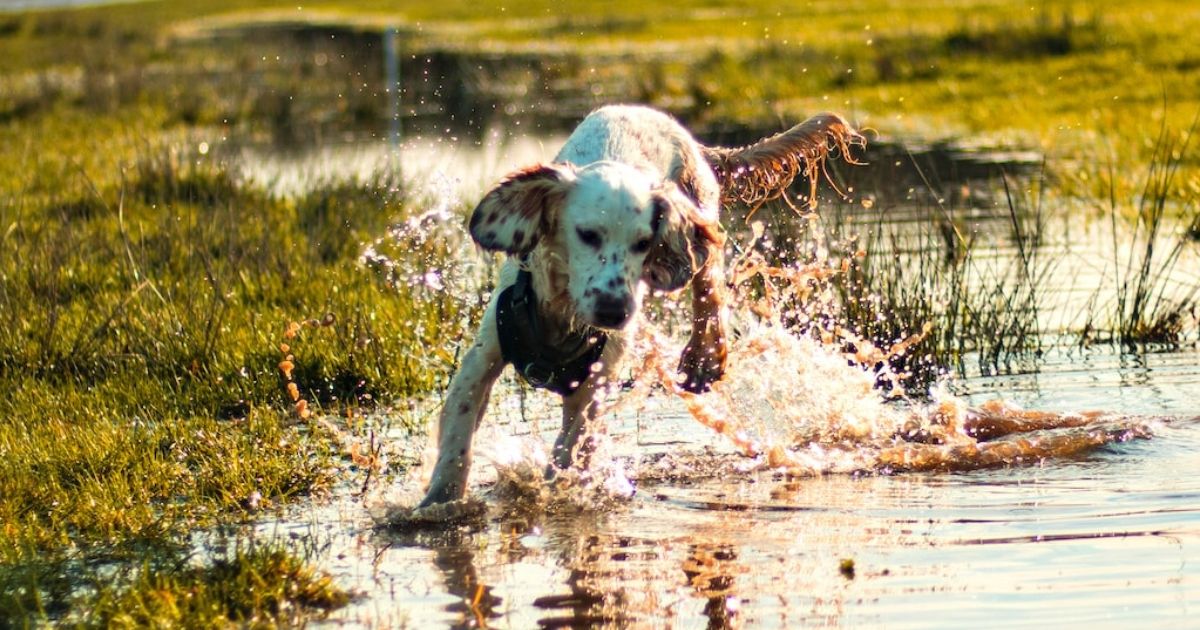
[(615, 226)]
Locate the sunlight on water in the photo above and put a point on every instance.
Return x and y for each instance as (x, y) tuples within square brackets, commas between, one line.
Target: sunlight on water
[(792, 400), (468, 166), (799, 405), (807, 489)]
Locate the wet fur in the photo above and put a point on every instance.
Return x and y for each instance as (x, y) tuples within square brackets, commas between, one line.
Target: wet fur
[(657, 181), (760, 172)]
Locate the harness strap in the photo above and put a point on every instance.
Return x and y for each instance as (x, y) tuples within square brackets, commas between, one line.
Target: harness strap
[(560, 368)]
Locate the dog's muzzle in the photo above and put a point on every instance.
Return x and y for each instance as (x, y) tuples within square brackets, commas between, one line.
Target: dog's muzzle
[(610, 311)]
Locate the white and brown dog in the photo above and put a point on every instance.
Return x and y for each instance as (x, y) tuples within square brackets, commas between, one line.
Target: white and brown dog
[(631, 202)]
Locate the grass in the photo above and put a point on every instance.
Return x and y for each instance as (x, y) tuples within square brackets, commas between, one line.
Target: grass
[(1146, 309), (978, 308), (254, 585), (992, 309), (929, 290), (261, 587), (144, 315), (1066, 78), (146, 288)]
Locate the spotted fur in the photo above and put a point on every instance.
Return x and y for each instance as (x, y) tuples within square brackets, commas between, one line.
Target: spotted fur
[(512, 216), (630, 203)]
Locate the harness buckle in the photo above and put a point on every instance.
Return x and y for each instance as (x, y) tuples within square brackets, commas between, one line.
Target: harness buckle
[(537, 375)]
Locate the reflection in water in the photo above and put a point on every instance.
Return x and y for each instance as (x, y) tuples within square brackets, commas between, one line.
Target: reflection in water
[(928, 550), (1111, 540), (974, 525), (456, 561), (594, 598), (711, 570)]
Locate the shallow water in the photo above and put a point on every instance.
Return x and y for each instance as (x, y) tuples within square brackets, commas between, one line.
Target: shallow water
[(709, 538), (1106, 539)]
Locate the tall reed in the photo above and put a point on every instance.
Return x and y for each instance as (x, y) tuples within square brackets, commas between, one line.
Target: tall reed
[(1150, 307)]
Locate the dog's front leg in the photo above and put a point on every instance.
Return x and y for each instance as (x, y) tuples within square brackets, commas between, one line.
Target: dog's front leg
[(703, 359), (579, 411), (461, 414)]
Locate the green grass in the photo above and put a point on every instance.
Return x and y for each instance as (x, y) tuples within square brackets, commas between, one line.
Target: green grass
[(145, 304), (262, 587), (1145, 310), (1082, 81), (976, 313)]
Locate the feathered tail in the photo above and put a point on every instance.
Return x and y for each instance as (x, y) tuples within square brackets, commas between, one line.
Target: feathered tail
[(762, 171)]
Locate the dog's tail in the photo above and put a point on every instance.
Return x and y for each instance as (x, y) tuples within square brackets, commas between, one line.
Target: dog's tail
[(761, 172)]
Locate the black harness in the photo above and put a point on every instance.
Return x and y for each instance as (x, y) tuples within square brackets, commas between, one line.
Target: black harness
[(559, 367)]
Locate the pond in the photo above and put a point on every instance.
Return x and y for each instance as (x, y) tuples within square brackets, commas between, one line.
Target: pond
[(678, 530), (1106, 539)]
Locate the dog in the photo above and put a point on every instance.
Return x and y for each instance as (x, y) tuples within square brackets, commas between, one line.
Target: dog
[(630, 204)]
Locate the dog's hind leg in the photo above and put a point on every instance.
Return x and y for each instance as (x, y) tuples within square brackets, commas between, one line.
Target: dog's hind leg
[(461, 414)]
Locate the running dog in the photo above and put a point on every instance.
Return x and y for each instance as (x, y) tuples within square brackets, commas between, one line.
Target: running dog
[(631, 203)]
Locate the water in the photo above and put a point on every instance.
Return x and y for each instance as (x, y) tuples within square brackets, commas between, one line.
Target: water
[(715, 534), (469, 166), (711, 538), (1108, 539)]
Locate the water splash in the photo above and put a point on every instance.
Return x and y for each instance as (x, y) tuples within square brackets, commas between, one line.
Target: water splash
[(437, 236), (801, 396), (796, 404), (518, 489), (789, 403)]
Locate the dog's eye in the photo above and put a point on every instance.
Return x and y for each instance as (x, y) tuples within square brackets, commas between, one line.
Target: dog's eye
[(642, 246), (591, 238)]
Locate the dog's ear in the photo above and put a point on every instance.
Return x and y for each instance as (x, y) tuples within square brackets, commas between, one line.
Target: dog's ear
[(511, 216), (685, 239)]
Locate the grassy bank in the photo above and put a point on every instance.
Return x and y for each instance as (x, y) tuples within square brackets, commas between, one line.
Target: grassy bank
[(147, 297), (1085, 81), (1047, 72)]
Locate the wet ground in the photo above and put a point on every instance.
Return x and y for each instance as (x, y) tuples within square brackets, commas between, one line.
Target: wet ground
[(1104, 537)]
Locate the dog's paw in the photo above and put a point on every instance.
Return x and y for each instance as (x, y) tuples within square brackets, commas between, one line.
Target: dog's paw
[(702, 364), (434, 516), (442, 493)]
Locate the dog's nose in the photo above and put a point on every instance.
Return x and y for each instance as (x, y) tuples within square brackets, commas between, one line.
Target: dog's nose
[(612, 311)]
